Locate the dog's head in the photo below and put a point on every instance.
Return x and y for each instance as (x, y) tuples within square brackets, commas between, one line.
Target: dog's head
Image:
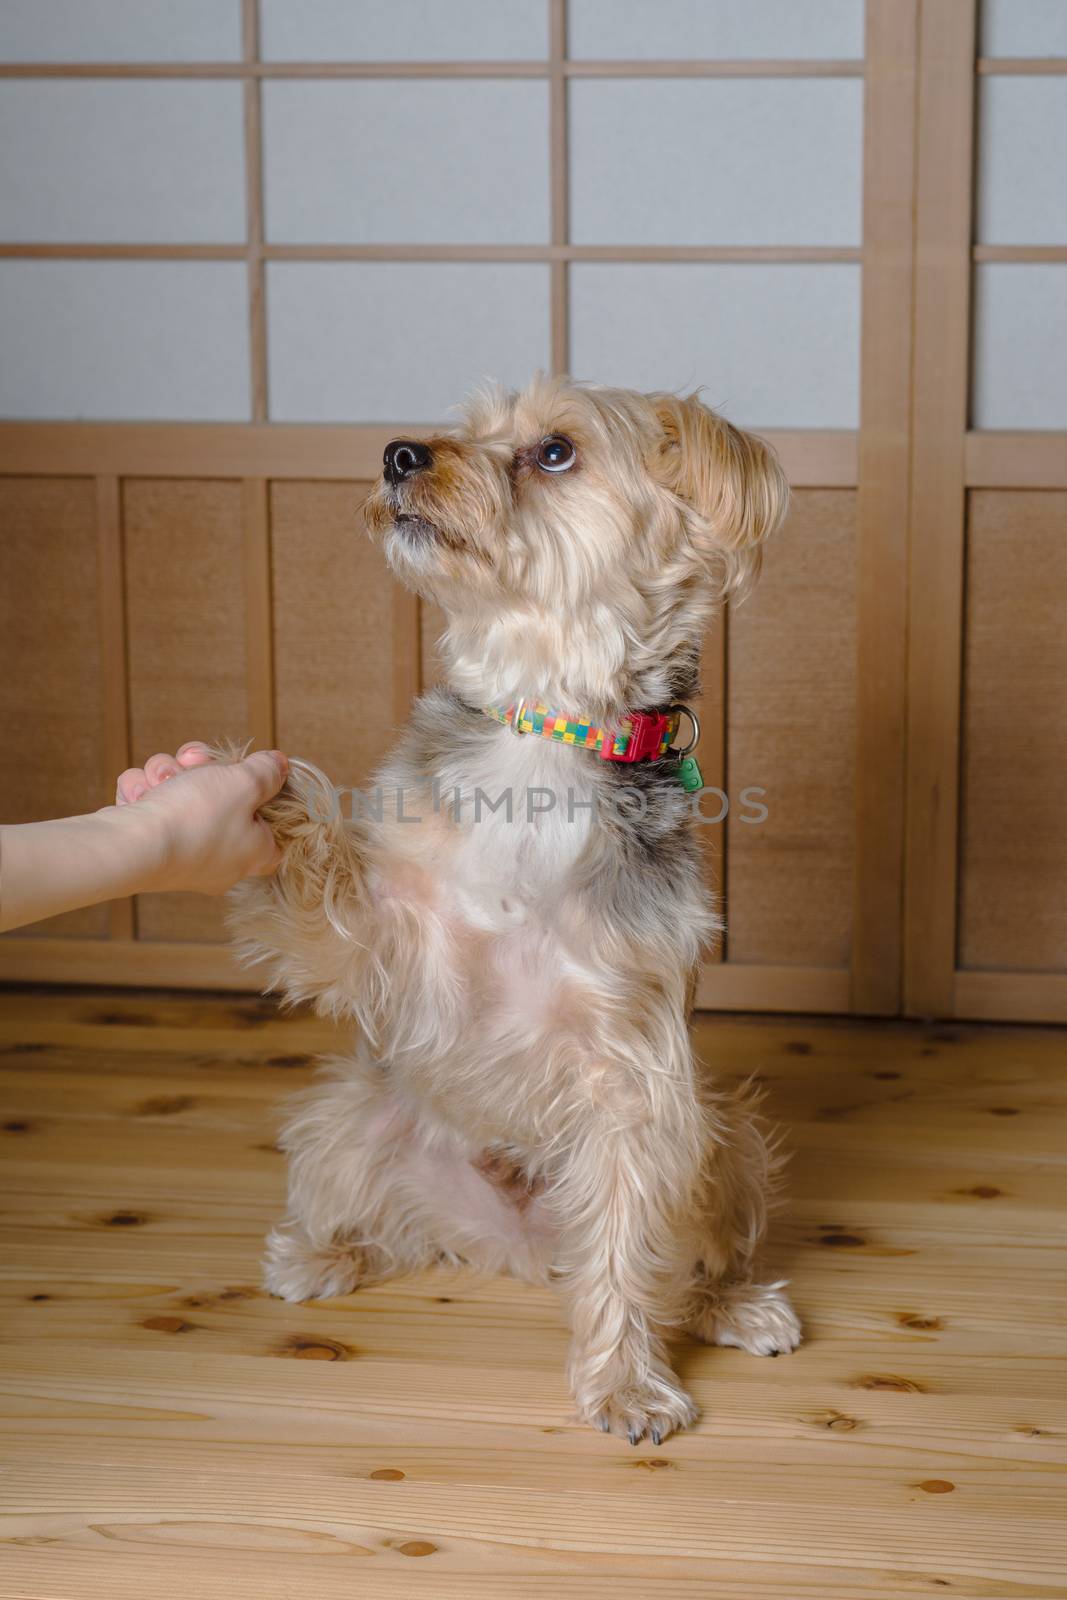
[(576, 538)]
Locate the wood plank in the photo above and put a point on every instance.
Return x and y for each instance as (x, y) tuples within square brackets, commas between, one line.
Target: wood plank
[(556, 254), (741, 986), (59, 736), (559, 183), (1016, 460), (882, 501), (1021, 66), (115, 706), (259, 628), (1012, 996), (1013, 845), (253, 152), (186, 564), (346, 661), (164, 1435), (158, 964), (791, 730), (812, 458), (710, 707), (939, 421), (754, 68)]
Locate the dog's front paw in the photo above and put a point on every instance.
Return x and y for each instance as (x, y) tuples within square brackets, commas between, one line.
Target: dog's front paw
[(650, 1409)]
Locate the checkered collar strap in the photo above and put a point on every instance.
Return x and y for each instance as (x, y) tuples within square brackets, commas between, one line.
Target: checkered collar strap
[(641, 736)]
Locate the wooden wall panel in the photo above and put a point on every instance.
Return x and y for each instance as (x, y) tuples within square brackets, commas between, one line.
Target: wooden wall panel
[(1013, 844), (334, 630), (791, 681), (186, 621), (50, 681)]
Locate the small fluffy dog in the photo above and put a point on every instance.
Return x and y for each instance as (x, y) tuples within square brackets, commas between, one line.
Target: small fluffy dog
[(523, 1095)]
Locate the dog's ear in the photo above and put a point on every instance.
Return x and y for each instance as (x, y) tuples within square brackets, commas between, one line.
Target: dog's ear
[(731, 482)]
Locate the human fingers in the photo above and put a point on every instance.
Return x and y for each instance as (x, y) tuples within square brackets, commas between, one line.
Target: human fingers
[(193, 754), (131, 786), (159, 767)]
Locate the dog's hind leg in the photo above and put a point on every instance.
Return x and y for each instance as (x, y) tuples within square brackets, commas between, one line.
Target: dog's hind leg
[(742, 1169), (351, 1218)]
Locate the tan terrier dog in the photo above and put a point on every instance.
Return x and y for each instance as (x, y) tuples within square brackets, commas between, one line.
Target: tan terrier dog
[(515, 932)]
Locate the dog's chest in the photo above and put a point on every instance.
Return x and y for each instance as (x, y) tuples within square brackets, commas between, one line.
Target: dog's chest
[(521, 822)]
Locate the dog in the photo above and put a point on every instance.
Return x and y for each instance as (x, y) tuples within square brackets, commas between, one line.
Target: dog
[(523, 1095)]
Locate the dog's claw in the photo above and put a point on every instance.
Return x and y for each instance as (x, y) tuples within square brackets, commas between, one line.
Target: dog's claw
[(655, 1435), (634, 1434)]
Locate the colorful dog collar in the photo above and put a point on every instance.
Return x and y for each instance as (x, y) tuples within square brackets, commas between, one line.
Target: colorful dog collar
[(640, 736)]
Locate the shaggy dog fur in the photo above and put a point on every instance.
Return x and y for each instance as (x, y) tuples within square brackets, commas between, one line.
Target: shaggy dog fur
[(523, 1095)]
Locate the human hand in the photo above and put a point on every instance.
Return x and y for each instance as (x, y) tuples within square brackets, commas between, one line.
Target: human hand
[(200, 815)]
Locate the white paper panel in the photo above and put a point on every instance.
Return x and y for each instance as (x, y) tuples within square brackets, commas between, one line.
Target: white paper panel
[(121, 162), (776, 346), (398, 342), (134, 340), (404, 30), (1023, 28), (457, 162), (1020, 336), (1022, 160), (722, 30), (716, 161), (120, 30)]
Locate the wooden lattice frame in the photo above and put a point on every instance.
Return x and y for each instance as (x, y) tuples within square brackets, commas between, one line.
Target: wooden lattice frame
[(912, 461)]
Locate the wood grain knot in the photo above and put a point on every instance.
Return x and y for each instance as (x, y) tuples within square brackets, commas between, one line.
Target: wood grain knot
[(936, 1486), (836, 1421), (1003, 1111), (168, 1325), (912, 1319), (647, 1464), (981, 1191), (308, 1348), (287, 1062), (843, 1241), (417, 1547), (886, 1380), (797, 1047), (388, 1474), (124, 1219), (17, 1126), (163, 1105)]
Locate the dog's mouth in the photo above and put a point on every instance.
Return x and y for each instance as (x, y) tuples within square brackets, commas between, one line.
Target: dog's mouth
[(417, 528)]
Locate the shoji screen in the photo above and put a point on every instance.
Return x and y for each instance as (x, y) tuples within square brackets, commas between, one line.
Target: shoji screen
[(987, 857), (243, 243)]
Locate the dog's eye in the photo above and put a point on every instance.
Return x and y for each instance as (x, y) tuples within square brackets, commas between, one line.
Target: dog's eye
[(555, 454)]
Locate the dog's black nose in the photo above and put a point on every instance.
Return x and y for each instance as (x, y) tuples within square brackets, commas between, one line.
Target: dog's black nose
[(403, 457)]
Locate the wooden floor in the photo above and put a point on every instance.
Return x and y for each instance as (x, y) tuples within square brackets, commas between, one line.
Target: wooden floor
[(172, 1432)]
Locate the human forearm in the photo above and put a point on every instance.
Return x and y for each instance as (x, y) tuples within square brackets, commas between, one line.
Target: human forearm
[(50, 867)]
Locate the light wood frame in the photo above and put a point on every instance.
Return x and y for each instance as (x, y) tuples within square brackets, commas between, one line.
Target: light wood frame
[(911, 462), (947, 461)]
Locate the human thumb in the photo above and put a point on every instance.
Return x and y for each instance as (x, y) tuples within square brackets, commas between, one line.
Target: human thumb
[(268, 770)]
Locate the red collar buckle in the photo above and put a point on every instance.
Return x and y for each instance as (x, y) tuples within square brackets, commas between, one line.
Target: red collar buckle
[(648, 731)]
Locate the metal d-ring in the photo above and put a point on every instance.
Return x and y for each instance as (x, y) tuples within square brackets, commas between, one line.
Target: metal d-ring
[(695, 740)]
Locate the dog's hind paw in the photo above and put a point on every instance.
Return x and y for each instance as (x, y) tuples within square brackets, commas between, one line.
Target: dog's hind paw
[(756, 1317), (295, 1269)]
